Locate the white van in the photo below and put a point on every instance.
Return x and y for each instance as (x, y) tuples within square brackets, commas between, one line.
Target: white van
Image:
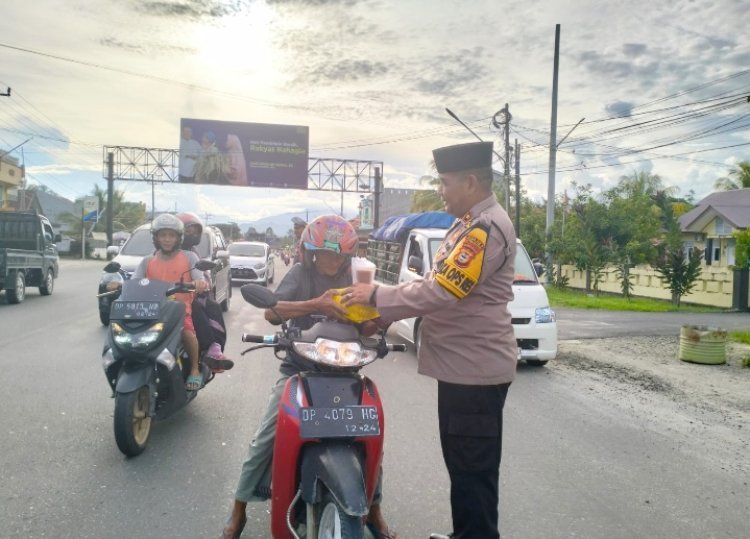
[(533, 319)]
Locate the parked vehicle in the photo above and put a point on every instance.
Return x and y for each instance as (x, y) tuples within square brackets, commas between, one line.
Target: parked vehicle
[(211, 247), (329, 435), (251, 262), (144, 359), (403, 251), (28, 255)]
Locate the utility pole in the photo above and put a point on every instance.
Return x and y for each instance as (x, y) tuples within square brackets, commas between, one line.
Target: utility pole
[(110, 194), (507, 157), (517, 161), (552, 159)]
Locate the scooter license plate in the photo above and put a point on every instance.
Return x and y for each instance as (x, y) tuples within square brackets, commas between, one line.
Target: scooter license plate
[(342, 422), (138, 310)]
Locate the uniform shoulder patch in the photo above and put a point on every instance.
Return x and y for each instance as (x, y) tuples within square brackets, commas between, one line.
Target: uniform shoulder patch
[(460, 271)]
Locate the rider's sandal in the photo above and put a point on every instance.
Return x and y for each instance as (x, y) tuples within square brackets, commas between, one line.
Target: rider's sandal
[(216, 364), (194, 382)]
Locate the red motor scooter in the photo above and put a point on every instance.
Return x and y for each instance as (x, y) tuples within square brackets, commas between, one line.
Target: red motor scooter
[(329, 434)]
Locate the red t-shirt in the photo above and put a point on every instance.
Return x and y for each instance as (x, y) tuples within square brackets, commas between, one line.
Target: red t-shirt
[(170, 271)]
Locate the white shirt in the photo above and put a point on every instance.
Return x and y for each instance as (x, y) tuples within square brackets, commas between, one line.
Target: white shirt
[(189, 152)]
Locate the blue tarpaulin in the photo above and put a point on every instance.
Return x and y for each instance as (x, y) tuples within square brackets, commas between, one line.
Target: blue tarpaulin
[(396, 228)]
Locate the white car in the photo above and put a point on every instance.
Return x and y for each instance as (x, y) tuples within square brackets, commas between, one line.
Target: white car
[(251, 262), (533, 321)]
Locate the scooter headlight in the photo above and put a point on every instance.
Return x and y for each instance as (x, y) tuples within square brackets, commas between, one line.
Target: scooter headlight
[(338, 354), (138, 340)]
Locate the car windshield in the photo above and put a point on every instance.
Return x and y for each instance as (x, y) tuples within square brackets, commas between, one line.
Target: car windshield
[(141, 244), (247, 249), (524, 269)]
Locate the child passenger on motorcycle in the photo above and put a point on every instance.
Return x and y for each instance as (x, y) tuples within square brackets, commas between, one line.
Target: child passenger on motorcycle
[(206, 313), (327, 245), (170, 263)]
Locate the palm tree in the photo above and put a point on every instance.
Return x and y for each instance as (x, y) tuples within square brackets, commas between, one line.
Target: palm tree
[(737, 178)]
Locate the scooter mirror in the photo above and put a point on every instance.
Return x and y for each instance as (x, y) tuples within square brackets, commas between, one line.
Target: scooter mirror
[(258, 296), (112, 267), (205, 265)]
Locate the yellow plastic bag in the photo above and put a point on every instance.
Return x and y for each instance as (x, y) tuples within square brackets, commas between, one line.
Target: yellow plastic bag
[(357, 313)]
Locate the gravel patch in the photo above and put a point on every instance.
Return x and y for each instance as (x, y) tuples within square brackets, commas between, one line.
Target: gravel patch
[(706, 407)]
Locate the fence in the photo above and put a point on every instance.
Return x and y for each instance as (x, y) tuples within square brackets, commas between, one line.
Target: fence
[(714, 286)]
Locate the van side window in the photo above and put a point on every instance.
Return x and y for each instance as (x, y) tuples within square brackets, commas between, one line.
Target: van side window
[(415, 250)]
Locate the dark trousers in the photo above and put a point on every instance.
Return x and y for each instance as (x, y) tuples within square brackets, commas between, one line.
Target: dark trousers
[(471, 436)]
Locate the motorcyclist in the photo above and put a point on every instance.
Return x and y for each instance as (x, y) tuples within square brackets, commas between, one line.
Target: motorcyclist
[(207, 318), (170, 263), (326, 245)]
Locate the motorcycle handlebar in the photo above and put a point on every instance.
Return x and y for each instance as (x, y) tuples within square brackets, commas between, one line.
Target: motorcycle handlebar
[(397, 348), (262, 339)]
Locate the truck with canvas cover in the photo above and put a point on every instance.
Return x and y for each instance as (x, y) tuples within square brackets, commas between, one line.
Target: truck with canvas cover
[(402, 251), (28, 255)]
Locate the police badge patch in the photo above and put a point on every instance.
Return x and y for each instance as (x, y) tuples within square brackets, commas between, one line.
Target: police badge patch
[(461, 269)]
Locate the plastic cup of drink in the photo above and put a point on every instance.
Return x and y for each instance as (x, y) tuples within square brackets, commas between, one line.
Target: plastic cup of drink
[(363, 271)]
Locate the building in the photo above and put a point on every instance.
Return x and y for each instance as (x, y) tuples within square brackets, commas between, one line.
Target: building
[(12, 176), (393, 201), (710, 224)]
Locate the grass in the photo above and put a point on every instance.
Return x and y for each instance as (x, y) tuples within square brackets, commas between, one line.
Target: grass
[(740, 336), (579, 300)]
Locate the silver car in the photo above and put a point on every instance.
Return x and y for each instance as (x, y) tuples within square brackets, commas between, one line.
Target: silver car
[(251, 262)]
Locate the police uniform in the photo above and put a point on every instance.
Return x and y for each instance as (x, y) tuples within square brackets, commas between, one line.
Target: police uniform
[(467, 343)]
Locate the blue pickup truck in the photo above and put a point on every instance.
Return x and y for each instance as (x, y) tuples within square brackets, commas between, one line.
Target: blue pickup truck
[(28, 255)]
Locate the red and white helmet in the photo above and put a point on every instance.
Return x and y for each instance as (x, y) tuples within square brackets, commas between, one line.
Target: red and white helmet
[(330, 233), (189, 218)]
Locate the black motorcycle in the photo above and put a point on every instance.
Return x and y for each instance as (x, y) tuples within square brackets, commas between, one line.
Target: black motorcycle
[(144, 359)]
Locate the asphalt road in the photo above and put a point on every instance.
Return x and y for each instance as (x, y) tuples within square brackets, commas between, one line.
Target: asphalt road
[(592, 324), (577, 462)]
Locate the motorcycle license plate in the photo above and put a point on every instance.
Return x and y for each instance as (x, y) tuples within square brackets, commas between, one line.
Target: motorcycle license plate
[(139, 310), (343, 422)]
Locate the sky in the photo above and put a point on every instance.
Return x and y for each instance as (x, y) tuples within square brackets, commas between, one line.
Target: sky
[(660, 87)]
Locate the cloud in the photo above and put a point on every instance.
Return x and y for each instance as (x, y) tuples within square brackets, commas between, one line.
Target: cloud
[(192, 9), (619, 108), (633, 50)]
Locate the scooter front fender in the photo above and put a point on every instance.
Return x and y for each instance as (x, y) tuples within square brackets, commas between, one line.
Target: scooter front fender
[(130, 380), (338, 468)]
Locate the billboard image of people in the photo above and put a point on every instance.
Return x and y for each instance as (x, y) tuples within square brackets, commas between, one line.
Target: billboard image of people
[(239, 153)]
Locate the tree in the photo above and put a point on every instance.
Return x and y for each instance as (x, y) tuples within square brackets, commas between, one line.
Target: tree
[(742, 249), (586, 242), (428, 199), (737, 178), (678, 272), (125, 215)]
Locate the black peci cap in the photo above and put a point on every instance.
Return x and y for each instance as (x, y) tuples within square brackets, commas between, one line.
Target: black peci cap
[(463, 157), (298, 222)]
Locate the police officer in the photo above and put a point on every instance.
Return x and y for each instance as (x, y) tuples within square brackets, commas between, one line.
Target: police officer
[(467, 342)]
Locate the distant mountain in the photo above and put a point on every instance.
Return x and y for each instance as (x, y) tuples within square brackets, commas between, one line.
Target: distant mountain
[(282, 223)]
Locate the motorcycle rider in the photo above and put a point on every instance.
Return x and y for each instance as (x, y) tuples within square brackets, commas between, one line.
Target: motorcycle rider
[(326, 246), (207, 318), (170, 263)]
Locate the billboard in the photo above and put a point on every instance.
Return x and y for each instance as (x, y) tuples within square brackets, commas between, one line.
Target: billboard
[(240, 153)]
